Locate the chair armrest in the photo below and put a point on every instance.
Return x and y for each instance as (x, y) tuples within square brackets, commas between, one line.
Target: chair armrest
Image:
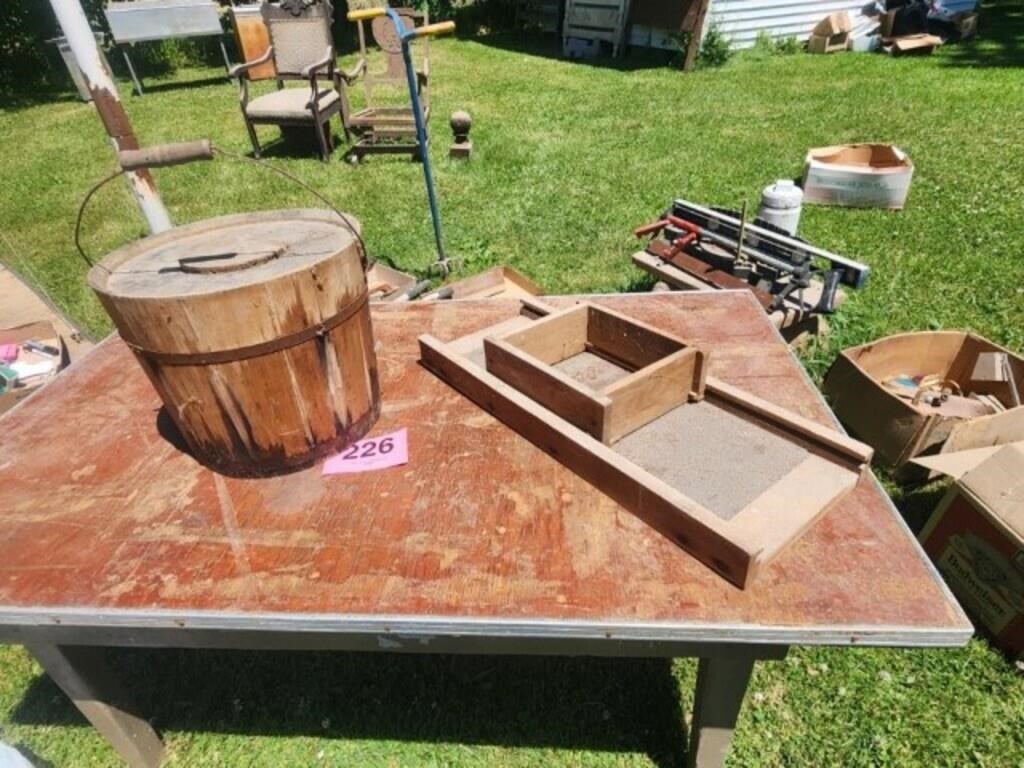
[(357, 70), (316, 66), (238, 69)]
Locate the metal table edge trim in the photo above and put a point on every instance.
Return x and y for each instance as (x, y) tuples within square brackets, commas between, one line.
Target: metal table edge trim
[(483, 628)]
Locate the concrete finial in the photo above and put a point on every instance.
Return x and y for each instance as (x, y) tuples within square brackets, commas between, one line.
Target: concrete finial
[(461, 122)]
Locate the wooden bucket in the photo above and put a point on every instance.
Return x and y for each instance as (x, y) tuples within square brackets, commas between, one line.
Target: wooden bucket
[(255, 331)]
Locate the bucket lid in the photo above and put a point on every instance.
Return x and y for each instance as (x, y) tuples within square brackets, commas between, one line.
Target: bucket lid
[(224, 254), (782, 194)]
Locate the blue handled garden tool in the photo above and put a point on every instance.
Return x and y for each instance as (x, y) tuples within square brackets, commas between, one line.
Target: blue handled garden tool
[(406, 36)]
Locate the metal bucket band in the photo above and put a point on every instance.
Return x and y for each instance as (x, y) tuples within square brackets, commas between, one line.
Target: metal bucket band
[(255, 350)]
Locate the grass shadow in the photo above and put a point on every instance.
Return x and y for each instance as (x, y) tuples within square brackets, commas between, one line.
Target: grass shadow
[(916, 504), (640, 282), (15, 101), (166, 86), (619, 705), (1000, 41), (550, 47), (296, 143)]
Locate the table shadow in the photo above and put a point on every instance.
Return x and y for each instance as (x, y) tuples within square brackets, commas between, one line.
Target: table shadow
[(612, 705)]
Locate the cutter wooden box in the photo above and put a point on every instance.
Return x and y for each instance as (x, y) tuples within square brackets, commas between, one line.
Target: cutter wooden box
[(730, 478), (599, 370)]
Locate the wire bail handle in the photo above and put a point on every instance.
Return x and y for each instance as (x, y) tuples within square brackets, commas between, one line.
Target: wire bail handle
[(181, 153)]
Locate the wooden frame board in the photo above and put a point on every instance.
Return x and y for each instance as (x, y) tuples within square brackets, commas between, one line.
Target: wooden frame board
[(761, 517), (496, 282), (656, 372)]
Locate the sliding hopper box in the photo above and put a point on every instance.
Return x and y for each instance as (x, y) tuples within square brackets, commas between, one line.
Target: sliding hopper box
[(730, 478), (255, 331)]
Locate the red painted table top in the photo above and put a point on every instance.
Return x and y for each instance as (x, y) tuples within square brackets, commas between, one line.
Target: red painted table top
[(102, 516)]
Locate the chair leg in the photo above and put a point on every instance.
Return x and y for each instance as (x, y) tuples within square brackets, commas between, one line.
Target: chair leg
[(253, 138), (325, 150)]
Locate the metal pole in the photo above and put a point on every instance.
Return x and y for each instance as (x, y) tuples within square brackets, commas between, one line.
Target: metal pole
[(421, 135), (100, 84)]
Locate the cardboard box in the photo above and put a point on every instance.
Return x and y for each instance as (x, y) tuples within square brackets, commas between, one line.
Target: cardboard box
[(831, 34), (921, 44), (858, 176), (966, 25), (42, 332), (976, 539), (885, 23), (900, 430)]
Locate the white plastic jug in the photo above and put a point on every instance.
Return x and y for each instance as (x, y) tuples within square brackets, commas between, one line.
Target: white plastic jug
[(781, 204)]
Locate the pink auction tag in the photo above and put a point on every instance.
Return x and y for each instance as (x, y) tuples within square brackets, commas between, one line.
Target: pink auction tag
[(371, 453)]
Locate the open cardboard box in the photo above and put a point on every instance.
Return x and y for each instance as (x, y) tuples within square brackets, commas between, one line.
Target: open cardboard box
[(44, 333), (900, 430), (922, 43), (831, 34), (858, 175), (976, 538)]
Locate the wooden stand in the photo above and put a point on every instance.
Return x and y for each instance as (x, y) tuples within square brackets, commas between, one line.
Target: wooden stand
[(732, 479)]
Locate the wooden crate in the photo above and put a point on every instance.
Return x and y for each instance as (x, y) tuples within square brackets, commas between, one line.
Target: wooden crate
[(603, 20)]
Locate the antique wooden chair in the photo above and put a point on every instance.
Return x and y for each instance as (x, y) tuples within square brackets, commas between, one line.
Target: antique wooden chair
[(379, 126), (301, 49)]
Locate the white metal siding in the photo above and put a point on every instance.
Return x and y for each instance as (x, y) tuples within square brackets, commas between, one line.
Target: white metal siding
[(741, 20)]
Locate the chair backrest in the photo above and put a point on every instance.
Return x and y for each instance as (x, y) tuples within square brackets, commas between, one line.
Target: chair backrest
[(386, 38), (300, 34)]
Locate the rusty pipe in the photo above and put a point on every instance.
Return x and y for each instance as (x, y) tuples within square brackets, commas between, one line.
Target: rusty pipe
[(100, 84)]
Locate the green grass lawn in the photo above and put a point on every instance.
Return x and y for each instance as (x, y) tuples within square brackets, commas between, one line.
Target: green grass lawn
[(568, 158)]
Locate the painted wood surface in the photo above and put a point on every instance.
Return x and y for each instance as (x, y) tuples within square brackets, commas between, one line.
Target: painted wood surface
[(104, 514), (252, 40)]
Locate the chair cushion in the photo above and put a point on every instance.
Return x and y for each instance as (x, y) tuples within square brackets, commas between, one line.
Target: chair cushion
[(289, 104)]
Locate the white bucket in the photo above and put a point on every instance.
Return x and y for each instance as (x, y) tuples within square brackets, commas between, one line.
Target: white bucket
[(780, 205)]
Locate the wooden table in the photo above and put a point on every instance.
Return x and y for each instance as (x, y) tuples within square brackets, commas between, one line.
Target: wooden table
[(482, 543)]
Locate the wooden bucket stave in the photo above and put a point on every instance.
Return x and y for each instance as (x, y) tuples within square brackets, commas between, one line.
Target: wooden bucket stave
[(264, 365)]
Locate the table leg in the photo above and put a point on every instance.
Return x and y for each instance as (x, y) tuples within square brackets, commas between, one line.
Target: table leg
[(721, 686), (224, 53), (83, 675), (131, 70)]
